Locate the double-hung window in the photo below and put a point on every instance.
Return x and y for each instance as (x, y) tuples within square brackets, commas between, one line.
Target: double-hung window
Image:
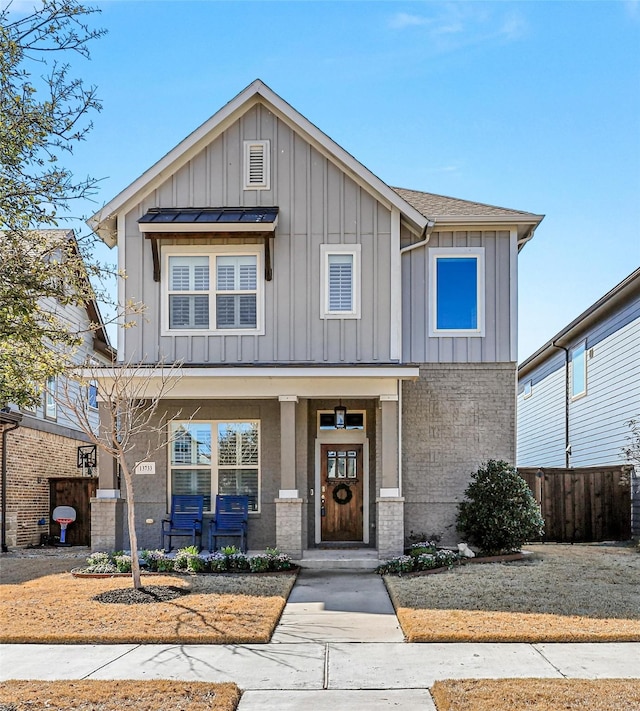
[(188, 292), (456, 276), (340, 281), (214, 289), (209, 458)]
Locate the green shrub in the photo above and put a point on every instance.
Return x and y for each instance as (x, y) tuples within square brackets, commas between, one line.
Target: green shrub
[(259, 563), (123, 562), (187, 560), (101, 562), (500, 513)]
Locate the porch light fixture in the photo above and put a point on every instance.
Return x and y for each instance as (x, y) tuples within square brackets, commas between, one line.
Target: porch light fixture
[(340, 416)]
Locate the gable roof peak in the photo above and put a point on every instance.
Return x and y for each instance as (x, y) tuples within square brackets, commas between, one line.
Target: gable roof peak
[(103, 222)]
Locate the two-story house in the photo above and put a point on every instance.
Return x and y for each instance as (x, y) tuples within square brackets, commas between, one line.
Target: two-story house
[(577, 392), (47, 458), (348, 348)]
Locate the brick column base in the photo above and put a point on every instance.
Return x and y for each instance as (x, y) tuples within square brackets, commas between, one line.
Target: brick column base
[(289, 527), (390, 526), (106, 524)]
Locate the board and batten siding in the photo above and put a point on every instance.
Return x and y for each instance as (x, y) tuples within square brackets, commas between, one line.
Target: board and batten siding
[(497, 345), (597, 421), (318, 204)]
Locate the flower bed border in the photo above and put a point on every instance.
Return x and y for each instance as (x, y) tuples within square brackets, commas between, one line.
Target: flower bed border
[(504, 558), (78, 573)]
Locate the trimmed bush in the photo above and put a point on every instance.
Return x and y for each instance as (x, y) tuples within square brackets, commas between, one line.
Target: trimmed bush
[(500, 513)]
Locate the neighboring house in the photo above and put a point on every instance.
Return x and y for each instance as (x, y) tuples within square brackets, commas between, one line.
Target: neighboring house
[(42, 453), (349, 348), (577, 392)]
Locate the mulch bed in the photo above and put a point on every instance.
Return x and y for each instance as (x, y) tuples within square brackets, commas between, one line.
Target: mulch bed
[(141, 596)]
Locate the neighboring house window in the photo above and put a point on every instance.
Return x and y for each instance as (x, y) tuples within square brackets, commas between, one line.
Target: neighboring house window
[(50, 405), (209, 458), (579, 370), (528, 389), (92, 396), (340, 281), (256, 165), (456, 276), (217, 290)]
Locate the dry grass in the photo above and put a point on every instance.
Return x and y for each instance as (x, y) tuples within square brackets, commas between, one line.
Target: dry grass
[(581, 593), (537, 694), (117, 696), (59, 609)]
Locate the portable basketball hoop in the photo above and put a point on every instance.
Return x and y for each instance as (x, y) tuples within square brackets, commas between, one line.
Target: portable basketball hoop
[(64, 515)]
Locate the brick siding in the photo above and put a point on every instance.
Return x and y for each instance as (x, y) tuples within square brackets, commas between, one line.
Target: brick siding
[(33, 457), (467, 415)]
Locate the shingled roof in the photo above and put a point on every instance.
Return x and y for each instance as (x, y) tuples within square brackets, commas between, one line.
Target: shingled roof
[(440, 206)]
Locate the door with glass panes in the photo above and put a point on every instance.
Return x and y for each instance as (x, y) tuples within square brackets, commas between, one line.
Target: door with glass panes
[(341, 507)]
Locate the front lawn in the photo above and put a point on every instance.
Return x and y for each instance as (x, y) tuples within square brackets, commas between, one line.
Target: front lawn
[(536, 694), (60, 609), (580, 593), (117, 696)]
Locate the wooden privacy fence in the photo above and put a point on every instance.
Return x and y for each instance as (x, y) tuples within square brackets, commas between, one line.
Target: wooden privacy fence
[(584, 504)]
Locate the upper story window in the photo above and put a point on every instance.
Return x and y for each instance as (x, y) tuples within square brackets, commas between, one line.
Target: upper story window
[(340, 281), (92, 396), (528, 389), (257, 166), (579, 370), (50, 404), (456, 276), (214, 289)]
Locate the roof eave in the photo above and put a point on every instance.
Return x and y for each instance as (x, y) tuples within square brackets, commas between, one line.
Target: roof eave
[(623, 290)]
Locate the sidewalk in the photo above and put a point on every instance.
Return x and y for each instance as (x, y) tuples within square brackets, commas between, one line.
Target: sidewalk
[(338, 645)]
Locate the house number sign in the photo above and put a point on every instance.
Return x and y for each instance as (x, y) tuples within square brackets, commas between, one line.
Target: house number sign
[(146, 468)]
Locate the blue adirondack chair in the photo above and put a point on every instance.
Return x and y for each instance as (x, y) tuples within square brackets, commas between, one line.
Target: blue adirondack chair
[(185, 519), (231, 520)]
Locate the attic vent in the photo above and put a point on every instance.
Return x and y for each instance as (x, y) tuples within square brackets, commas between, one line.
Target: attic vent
[(256, 165)]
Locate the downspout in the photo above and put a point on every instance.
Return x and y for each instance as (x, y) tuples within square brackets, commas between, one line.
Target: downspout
[(16, 419), (567, 445), (426, 236)]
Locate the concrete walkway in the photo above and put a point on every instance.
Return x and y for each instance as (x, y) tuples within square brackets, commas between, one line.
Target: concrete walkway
[(338, 645)]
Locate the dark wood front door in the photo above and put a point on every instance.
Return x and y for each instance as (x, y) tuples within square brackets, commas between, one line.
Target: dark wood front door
[(341, 492), (76, 492)]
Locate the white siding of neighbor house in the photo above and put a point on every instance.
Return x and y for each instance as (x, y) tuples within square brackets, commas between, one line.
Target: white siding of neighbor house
[(76, 318), (500, 326), (318, 204), (597, 428)]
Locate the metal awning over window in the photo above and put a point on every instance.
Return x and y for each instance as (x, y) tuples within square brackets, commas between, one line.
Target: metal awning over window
[(208, 221)]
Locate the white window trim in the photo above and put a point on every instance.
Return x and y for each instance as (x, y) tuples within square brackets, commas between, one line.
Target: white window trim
[(329, 249), (436, 253), (214, 466), (266, 166), (211, 251), (582, 393), (528, 389)]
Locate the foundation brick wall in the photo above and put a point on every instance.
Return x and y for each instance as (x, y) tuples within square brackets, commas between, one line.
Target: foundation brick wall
[(467, 415), (33, 457)]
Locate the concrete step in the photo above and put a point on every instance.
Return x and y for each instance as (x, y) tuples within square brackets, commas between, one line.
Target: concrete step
[(339, 559)]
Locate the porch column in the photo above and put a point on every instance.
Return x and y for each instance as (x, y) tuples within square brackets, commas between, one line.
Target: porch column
[(389, 503), (107, 508), (288, 503)]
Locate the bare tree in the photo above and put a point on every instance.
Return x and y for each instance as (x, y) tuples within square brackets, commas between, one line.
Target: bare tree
[(132, 424)]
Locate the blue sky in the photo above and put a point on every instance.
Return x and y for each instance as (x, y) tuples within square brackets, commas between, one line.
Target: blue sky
[(528, 105)]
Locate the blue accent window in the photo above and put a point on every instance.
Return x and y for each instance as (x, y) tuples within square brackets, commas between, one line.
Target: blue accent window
[(457, 293)]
